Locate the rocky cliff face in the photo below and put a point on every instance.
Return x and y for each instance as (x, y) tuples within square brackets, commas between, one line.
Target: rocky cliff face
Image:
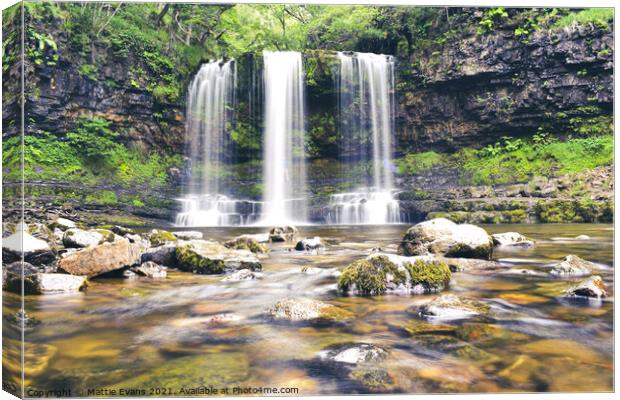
[(477, 87)]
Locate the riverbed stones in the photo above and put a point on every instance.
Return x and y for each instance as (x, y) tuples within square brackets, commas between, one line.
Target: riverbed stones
[(188, 235), (106, 257), (246, 242), (205, 257), (305, 309), (75, 237), (442, 236), (36, 251), (150, 270), (452, 307), (512, 240), (283, 234), (593, 287), (354, 353), (37, 282), (310, 244), (573, 265)]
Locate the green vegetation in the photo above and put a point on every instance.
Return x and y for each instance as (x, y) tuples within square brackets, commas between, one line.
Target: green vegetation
[(418, 163), (433, 275), (369, 276), (599, 17)]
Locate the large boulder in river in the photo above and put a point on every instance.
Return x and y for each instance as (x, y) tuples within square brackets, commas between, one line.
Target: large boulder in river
[(573, 265), (36, 282), (451, 307), (162, 255), (283, 234), (512, 240), (246, 242), (106, 257), (36, 251), (382, 273), (593, 287), (304, 309), (205, 257), (442, 236)]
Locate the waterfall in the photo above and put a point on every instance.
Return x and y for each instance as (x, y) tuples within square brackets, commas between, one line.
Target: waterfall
[(284, 166), (366, 105), (210, 117)]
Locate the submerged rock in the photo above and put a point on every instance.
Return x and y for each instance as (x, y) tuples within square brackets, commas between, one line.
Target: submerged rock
[(246, 242), (242, 275), (309, 244), (283, 234), (582, 237), (36, 282), (188, 235), (512, 240), (354, 353), (106, 257), (593, 287), (442, 236), (35, 250), (470, 264), (381, 273), (573, 265), (150, 270), (203, 257), (305, 309), (451, 307)]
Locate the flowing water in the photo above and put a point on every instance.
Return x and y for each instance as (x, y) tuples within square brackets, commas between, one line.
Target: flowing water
[(210, 116), (146, 334), (284, 158), (366, 101)]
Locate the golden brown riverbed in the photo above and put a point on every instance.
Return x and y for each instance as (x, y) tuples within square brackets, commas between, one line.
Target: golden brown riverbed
[(156, 335)]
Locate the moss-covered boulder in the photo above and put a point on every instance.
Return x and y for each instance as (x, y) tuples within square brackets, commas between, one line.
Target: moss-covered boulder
[(246, 242), (381, 273), (159, 237), (305, 309), (372, 276), (451, 307), (205, 257), (442, 236)]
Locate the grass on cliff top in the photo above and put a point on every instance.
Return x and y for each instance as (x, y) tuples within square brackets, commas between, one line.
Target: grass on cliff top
[(600, 17)]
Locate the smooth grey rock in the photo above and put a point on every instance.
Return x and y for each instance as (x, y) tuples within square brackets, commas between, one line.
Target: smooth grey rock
[(512, 240), (283, 233), (593, 287), (150, 270), (309, 244), (354, 353), (75, 237), (573, 265), (451, 307)]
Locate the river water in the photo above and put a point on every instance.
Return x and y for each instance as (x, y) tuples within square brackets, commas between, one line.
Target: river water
[(155, 335)]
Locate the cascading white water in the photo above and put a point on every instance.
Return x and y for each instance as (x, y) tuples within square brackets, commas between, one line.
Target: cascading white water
[(284, 155), (210, 115), (366, 104)]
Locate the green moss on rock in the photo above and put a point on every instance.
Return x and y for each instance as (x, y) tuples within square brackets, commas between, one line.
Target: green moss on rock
[(246, 243), (189, 259), (432, 275), (159, 237), (370, 276)]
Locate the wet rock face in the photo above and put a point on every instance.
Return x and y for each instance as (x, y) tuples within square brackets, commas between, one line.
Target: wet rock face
[(496, 80), (36, 251), (246, 242), (309, 244), (442, 236), (573, 265), (593, 287), (150, 270)]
